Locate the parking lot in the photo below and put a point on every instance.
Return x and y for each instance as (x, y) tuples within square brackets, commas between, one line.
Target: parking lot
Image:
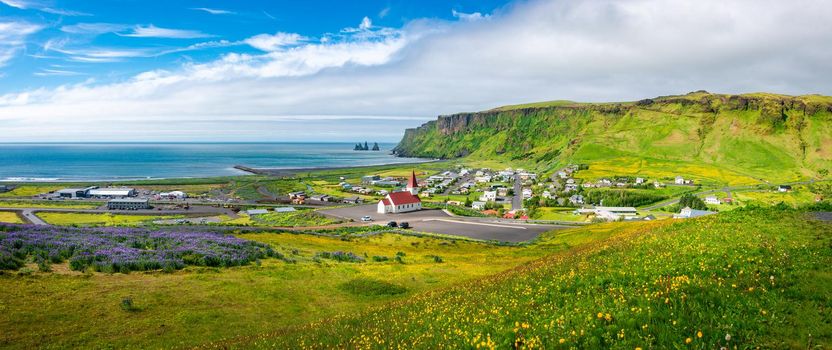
[(437, 221)]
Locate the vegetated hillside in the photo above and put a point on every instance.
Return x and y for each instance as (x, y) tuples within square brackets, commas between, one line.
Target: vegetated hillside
[(757, 135), (707, 283)]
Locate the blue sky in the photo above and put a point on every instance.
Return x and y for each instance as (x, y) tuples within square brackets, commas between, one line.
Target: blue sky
[(145, 35), (346, 71)]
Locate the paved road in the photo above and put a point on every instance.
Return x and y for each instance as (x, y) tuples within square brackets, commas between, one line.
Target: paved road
[(438, 221), (517, 200)]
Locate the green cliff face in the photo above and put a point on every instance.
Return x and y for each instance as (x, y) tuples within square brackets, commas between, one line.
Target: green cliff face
[(761, 134)]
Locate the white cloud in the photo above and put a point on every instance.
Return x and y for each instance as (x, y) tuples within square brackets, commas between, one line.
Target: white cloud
[(476, 16), (274, 42), (366, 23), (13, 36), (213, 11), (384, 12), (591, 50), (151, 31), (43, 6), (94, 28), (56, 72)]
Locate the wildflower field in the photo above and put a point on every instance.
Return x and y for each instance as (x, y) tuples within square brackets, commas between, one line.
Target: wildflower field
[(750, 278), (122, 249)]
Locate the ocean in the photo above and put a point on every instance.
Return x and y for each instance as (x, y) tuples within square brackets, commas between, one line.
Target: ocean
[(123, 161)]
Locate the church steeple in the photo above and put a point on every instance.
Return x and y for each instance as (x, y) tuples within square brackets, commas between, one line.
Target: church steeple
[(412, 185)]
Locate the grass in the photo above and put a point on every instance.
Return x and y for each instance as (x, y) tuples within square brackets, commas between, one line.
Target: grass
[(197, 305), (558, 214), (300, 218), (48, 204), (10, 217), (30, 190), (104, 219), (702, 283)]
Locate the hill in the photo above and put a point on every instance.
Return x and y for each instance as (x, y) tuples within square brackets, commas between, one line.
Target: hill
[(729, 138), (705, 283)]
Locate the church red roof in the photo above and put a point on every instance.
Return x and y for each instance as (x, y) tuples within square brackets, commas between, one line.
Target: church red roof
[(400, 198), (412, 183), (385, 201)]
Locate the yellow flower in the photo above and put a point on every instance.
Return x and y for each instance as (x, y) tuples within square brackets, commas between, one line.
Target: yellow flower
[(562, 340), (600, 315), (638, 348), (699, 334), (688, 340)]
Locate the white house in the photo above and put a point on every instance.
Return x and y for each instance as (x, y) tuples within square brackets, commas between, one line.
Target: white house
[(488, 196), (688, 213), (639, 180), (576, 199), (527, 193), (680, 180), (712, 200), (478, 205)]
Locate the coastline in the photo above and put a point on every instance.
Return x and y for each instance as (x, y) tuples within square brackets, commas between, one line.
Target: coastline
[(292, 171)]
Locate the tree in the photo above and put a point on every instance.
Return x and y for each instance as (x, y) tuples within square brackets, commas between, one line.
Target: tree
[(694, 202)]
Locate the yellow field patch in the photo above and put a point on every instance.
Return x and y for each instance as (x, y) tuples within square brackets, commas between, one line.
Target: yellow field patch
[(104, 219), (10, 217)]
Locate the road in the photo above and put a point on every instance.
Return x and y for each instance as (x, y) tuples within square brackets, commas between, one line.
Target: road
[(30, 213), (517, 200)]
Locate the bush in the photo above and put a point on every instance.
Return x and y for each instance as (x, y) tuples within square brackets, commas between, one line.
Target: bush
[(340, 256), (371, 287), (127, 304)]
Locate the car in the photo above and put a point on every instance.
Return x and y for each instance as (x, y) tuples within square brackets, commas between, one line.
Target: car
[(404, 225), (392, 224), (366, 218)]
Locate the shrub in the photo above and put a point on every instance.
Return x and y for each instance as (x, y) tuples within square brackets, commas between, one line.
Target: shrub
[(371, 287)]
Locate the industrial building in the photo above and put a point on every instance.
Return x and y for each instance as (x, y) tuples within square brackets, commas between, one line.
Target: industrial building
[(75, 192), (112, 192), (128, 204)]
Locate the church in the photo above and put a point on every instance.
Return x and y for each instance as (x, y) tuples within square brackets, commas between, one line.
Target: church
[(403, 201)]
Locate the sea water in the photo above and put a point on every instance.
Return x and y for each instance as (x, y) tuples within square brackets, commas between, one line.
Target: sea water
[(120, 161)]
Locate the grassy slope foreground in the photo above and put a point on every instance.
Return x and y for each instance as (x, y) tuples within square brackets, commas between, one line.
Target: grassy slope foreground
[(732, 139), (745, 279)]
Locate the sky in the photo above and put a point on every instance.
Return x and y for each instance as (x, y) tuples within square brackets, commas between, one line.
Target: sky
[(345, 71)]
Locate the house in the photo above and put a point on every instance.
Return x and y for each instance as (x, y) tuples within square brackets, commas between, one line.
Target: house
[(6, 188), (576, 199), (570, 188), (527, 176), (321, 198), (353, 200), (615, 213), (546, 194), (252, 212), (75, 192), (679, 180), (488, 196), (712, 200), (784, 188), (527, 193), (639, 180), (502, 191), (727, 200), (687, 213), (368, 179), (478, 205), (297, 195), (483, 179), (399, 202), (284, 210)]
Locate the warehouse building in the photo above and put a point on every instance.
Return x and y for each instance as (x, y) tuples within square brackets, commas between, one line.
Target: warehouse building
[(75, 192), (128, 204), (112, 192)]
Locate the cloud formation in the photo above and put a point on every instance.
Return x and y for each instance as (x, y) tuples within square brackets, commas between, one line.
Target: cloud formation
[(13, 36), (373, 80), (213, 11), (151, 31)]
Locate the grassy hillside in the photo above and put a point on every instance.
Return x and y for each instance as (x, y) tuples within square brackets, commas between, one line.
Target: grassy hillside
[(741, 138), (705, 283)]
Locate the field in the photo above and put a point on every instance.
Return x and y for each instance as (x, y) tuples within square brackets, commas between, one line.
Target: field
[(31, 190), (10, 217), (300, 218), (48, 204), (705, 283), (106, 219), (558, 214), (199, 304)]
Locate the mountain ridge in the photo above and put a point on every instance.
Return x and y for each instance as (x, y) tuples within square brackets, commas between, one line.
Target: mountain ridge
[(757, 133)]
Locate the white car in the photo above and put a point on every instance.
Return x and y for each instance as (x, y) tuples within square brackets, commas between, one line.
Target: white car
[(366, 218)]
